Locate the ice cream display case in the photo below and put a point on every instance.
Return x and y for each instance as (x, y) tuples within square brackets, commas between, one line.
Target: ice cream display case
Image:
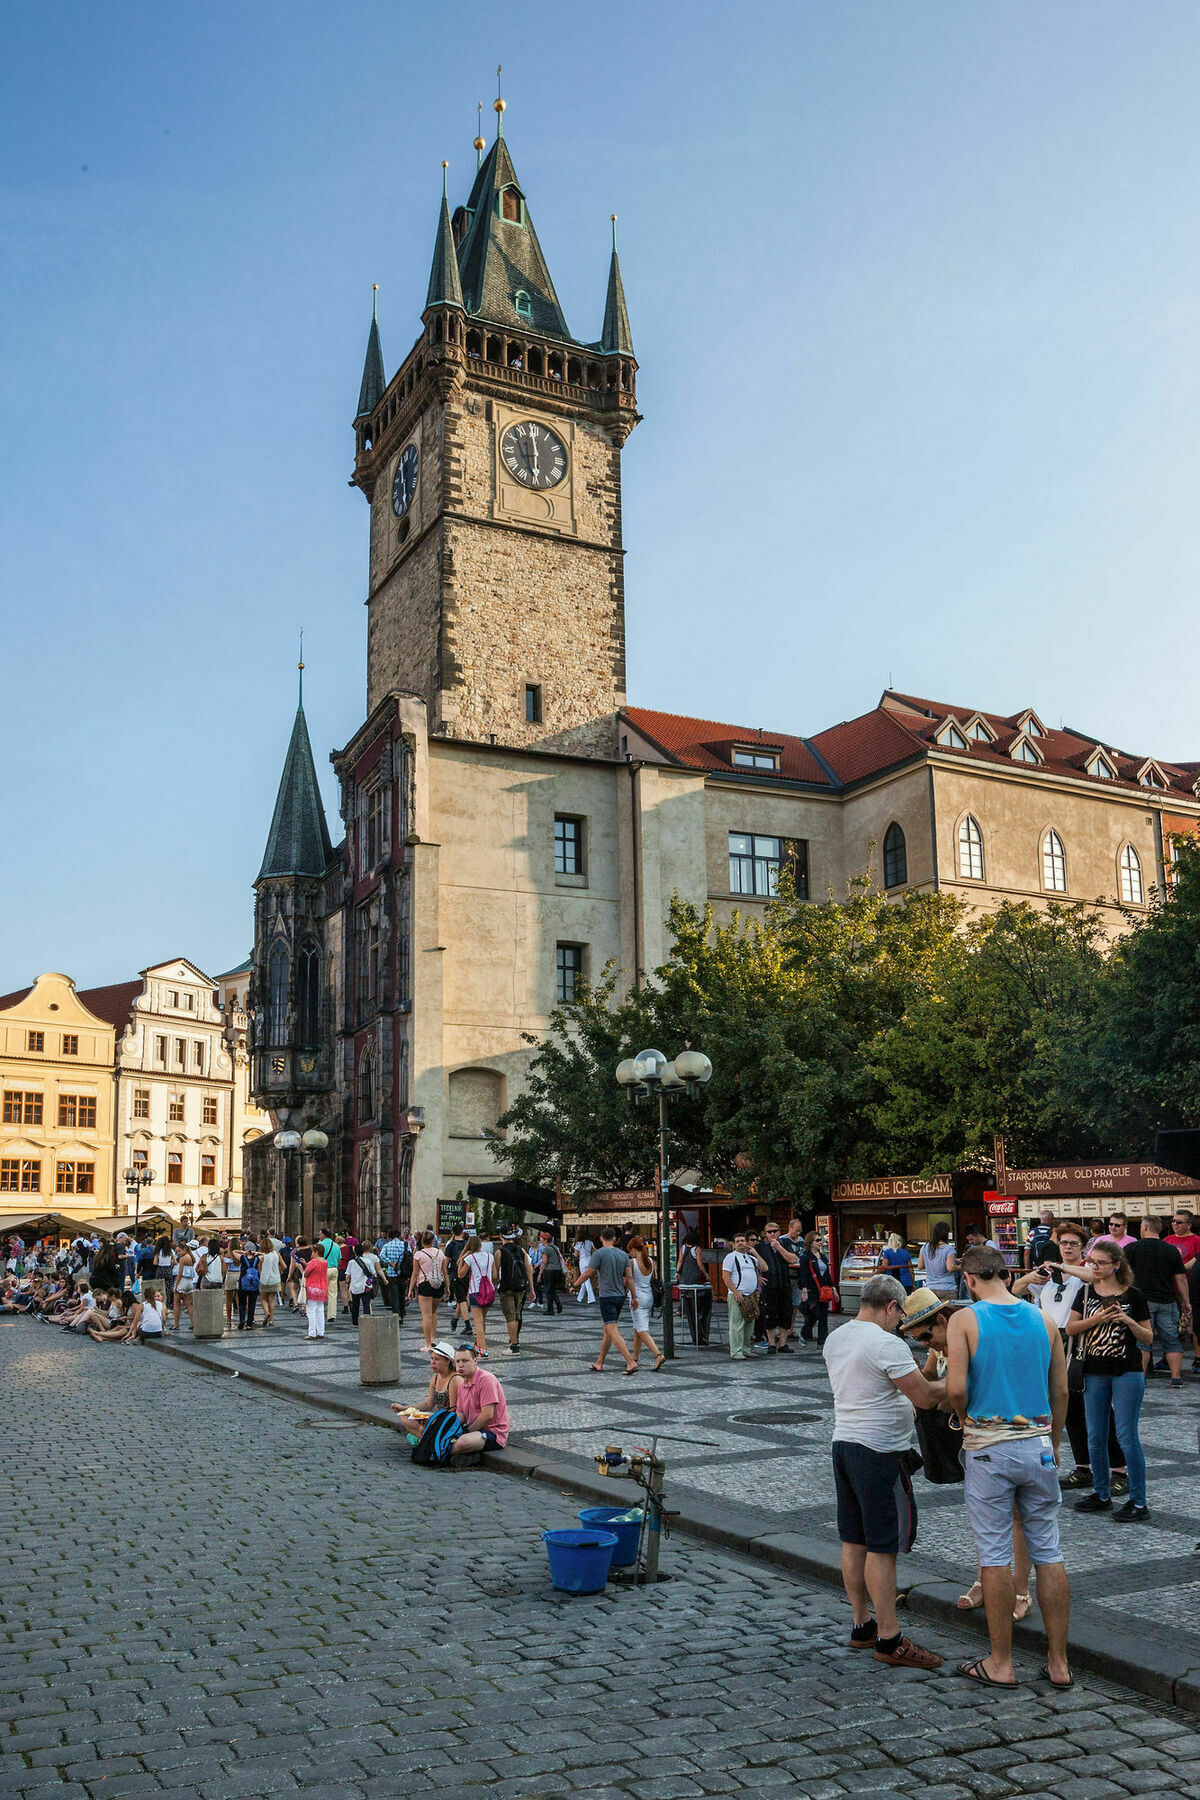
[(859, 1263)]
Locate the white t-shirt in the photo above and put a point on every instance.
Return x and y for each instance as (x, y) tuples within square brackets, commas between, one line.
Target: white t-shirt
[(867, 1406), (150, 1320), (1047, 1298), (742, 1271)]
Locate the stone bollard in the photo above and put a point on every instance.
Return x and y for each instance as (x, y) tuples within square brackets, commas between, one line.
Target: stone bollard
[(208, 1313), (379, 1350)]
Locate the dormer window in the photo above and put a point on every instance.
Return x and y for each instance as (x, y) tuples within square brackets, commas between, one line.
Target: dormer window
[(1031, 725), (951, 738), (1151, 776), (756, 758), (1023, 751), (522, 305), (1101, 768), (460, 224), (980, 732), (512, 205)]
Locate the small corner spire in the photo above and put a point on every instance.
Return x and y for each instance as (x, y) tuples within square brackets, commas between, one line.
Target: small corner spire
[(499, 103), (616, 337), (445, 286), (373, 381)]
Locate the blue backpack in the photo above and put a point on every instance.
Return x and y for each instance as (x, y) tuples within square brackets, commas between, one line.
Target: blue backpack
[(432, 1449), (249, 1279)]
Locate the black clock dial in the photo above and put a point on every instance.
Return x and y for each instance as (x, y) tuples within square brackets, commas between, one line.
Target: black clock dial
[(534, 455), (404, 481)]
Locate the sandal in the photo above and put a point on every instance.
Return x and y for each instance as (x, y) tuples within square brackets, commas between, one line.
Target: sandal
[(596, 1368), (965, 1603), (658, 1365), (632, 1369), (1047, 1676), (975, 1671), (1025, 1601)]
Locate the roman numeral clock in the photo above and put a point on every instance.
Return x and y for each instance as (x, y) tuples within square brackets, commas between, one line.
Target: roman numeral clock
[(534, 468)]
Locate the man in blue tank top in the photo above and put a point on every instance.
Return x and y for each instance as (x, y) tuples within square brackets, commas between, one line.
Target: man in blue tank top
[(1007, 1381)]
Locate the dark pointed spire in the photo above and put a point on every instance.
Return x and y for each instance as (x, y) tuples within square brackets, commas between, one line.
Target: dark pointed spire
[(298, 842), (445, 288), (374, 381), (616, 335), (500, 257)]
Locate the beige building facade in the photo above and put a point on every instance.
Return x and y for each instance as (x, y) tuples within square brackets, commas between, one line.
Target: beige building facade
[(56, 1127)]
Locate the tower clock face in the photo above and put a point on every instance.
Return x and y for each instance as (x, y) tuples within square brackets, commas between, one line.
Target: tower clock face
[(534, 455), (404, 481)]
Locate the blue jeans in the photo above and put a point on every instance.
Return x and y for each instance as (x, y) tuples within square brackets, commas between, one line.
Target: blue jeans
[(1124, 1393)]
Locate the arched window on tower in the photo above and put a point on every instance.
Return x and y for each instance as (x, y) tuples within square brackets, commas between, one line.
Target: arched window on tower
[(895, 857), (366, 1087), (970, 850), (277, 996), (1132, 892), (308, 997), (1054, 864)]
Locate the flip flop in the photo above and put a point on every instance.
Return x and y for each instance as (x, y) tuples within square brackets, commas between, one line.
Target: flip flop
[(1047, 1676), (1027, 1601), (974, 1671), (596, 1368)]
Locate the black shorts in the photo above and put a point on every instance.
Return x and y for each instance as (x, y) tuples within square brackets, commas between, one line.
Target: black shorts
[(875, 1504), (610, 1310), (428, 1292), (776, 1308)]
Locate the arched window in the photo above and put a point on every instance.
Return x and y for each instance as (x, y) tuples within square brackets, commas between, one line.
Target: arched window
[(308, 996), (277, 996), (1132, 892), (1054, 864), (895, 857), (366, 1087), (970, 850), (522, 304)]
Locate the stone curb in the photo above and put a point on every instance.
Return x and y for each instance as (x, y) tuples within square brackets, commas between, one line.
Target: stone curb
[(1097, 1646)]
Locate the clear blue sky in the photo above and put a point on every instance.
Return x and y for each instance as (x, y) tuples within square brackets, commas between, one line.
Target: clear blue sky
[(915, 290)]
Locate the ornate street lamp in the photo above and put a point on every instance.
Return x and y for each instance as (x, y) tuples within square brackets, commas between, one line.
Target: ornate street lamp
[(306, 1146), (135, 1181), (642, 1076)]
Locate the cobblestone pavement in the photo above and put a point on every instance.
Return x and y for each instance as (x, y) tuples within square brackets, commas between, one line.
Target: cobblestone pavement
[(209, 1591), (741, 1464)]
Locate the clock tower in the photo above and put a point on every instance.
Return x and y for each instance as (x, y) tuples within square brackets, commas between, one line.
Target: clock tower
[(492, 464)]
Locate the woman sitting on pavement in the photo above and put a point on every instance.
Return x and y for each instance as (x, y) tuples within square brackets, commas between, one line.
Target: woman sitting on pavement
[(480, 1404), (114, 1328), (443, 1388), (148, 1317)]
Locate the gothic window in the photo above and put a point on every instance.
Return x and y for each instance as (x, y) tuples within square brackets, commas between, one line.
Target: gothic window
[(404, 943), (366, 1087), (970, 850), (402, 1072), (373, 812), (308, 996), (277, 995), (476, 1102), (1054, 864), (1132, 893), (895, 857)]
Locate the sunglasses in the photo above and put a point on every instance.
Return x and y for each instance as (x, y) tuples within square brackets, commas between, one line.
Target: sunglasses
[(921, 1337)]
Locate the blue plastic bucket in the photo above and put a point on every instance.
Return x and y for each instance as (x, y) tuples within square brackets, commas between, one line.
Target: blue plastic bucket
[(579, 1560), (627, 1534)]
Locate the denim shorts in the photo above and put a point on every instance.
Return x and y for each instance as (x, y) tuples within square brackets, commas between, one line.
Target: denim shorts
[(1164, 1316), (1024, 1474), (610, 1310)]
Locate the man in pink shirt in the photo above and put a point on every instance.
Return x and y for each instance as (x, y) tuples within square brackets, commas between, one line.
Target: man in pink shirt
[(316, 1292), (480, 1404)]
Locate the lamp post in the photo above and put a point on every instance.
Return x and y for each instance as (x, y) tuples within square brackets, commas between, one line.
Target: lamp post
[(135, 1181), (307, 1144), (649, 1073)]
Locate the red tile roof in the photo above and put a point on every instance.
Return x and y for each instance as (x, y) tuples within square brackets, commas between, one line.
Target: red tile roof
[(7, 1000), (900, 728), (705, 744), (113, 1004)]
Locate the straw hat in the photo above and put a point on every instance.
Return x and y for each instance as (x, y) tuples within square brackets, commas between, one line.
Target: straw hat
[(920, 1306)]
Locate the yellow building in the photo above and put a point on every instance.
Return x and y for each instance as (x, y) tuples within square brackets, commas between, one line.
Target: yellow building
[(56, 1073)]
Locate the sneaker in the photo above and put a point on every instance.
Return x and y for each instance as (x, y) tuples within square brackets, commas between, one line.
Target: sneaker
[(786, 1350), (1078, 1478), (771, 1350), (908, 1655), (1161, 1366), (1130, 1514), (513, 1349), (1177, 1381), (1120, 1482), (1093, 1503)]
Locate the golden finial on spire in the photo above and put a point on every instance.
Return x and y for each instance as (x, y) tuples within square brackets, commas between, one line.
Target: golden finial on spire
[(374, 315), (498, 104), (300, 665), (445, 166), (480, 146), (613, 218)]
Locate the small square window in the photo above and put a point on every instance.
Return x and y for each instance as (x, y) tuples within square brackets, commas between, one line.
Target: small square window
[(533, 703), (141, 1103), (767, 760), (175, 1109), (35, 1040), (70, 1044), (568, 972), (210, 1109)]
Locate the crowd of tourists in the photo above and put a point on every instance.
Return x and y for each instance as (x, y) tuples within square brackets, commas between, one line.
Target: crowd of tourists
[(986, 1369)]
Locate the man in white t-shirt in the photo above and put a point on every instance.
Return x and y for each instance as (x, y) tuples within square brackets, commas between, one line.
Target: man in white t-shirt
[(740, 1274), (876, 1385)]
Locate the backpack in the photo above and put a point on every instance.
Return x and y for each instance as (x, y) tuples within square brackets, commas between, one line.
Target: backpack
[(512, 1270), (432, 1448), (249, 1280)]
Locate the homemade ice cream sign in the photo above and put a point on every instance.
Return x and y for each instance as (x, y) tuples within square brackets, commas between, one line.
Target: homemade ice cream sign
[(896, 1187)]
